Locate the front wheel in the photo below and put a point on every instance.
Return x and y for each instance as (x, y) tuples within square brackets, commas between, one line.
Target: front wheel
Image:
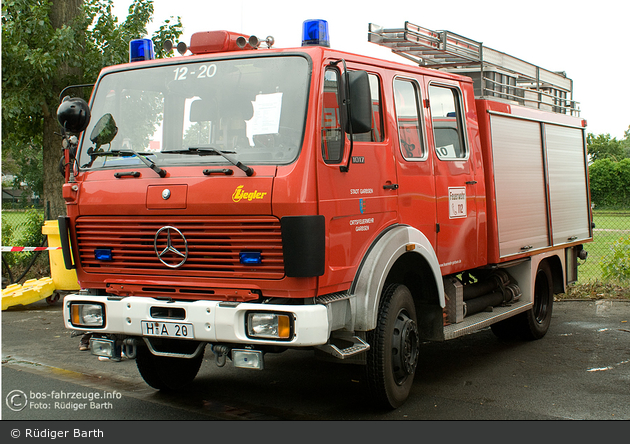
[(165, 372), (394, 348)]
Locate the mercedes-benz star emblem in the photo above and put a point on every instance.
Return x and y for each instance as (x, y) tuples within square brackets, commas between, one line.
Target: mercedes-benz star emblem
[(170, 252)]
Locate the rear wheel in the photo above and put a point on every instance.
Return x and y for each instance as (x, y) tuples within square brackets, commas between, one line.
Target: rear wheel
[(165, 372), (394, 348), (534, 323), (538, 319)]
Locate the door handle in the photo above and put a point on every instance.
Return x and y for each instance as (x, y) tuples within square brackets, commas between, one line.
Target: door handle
[(471, 182), (393, 186)]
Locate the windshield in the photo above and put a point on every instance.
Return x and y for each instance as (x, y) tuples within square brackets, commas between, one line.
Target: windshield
[(253, 109)]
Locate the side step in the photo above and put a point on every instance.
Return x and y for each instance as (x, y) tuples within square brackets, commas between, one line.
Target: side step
[(484, 319), (353, 346)]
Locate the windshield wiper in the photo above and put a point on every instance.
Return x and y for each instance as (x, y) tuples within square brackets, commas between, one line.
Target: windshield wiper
[(126, 153), (210, 151)]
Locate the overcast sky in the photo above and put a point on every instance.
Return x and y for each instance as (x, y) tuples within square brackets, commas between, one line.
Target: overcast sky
[(587, 39)]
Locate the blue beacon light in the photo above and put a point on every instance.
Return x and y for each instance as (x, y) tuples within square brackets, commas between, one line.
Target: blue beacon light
[(315, 33), (250, 257), (103, 254), (141, 49)]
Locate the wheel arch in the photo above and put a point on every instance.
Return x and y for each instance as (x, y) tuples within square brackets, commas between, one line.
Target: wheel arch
[(557, 273), (556, 263), (402, 255)]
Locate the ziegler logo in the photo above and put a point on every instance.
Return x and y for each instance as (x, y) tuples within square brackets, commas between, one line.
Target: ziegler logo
[(239, 194)]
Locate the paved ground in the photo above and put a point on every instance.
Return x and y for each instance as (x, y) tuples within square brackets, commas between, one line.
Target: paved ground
[(580, 370)]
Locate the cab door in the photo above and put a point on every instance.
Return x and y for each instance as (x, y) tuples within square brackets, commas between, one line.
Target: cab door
[(455, 180), (360, 202), (416, 190)]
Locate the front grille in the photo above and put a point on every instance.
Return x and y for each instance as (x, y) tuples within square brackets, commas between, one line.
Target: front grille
[(214, 244)]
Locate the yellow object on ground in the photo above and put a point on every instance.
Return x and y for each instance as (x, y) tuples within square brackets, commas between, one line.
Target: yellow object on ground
[(31, 291), (63, 278)]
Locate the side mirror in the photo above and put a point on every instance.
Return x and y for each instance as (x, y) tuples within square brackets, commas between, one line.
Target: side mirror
[(104, 131), (360, 102), (73, 114)]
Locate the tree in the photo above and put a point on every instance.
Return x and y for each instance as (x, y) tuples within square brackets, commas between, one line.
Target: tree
[(609, 172), (610, 183), (47, 46), (625, 143), (604, 147)]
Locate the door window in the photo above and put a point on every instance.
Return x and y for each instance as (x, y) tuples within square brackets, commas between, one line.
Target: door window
[(408, 115), (332, 135), (447, 123), (376, 134)]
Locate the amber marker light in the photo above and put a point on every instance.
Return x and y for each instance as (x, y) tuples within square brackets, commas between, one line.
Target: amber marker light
[(284, 327)]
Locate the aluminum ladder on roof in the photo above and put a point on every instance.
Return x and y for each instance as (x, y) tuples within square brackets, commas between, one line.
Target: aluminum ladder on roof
[(494, 73)]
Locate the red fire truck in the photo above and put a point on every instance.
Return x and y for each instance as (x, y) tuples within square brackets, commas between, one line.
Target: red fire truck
[(256, 199)]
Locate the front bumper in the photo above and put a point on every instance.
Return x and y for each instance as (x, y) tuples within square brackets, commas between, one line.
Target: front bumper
[(213, 321)]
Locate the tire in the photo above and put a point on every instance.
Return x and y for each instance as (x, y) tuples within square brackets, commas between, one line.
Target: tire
[(538, 319), (394, 348), (166, 373), (534, 323)]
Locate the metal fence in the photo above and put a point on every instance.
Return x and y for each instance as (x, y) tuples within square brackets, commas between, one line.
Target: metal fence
[(610, 246), (23, 228), (611, 228)]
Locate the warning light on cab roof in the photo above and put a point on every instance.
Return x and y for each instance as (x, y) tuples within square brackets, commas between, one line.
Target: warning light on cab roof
[(141, 49), (315, 33)]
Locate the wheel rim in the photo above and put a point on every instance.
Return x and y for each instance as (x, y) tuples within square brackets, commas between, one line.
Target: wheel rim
[(405, 343), (541, 297)]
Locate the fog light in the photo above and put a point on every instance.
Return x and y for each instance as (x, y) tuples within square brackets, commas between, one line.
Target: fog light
[(87, 315), (269, 325), (247, 359), (103, 347)]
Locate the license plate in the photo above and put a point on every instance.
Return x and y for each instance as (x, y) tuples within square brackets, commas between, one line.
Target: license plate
[(168, 329)]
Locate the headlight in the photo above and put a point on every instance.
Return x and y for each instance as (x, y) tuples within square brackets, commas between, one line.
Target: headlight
[(87, 315), (270, 325)]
